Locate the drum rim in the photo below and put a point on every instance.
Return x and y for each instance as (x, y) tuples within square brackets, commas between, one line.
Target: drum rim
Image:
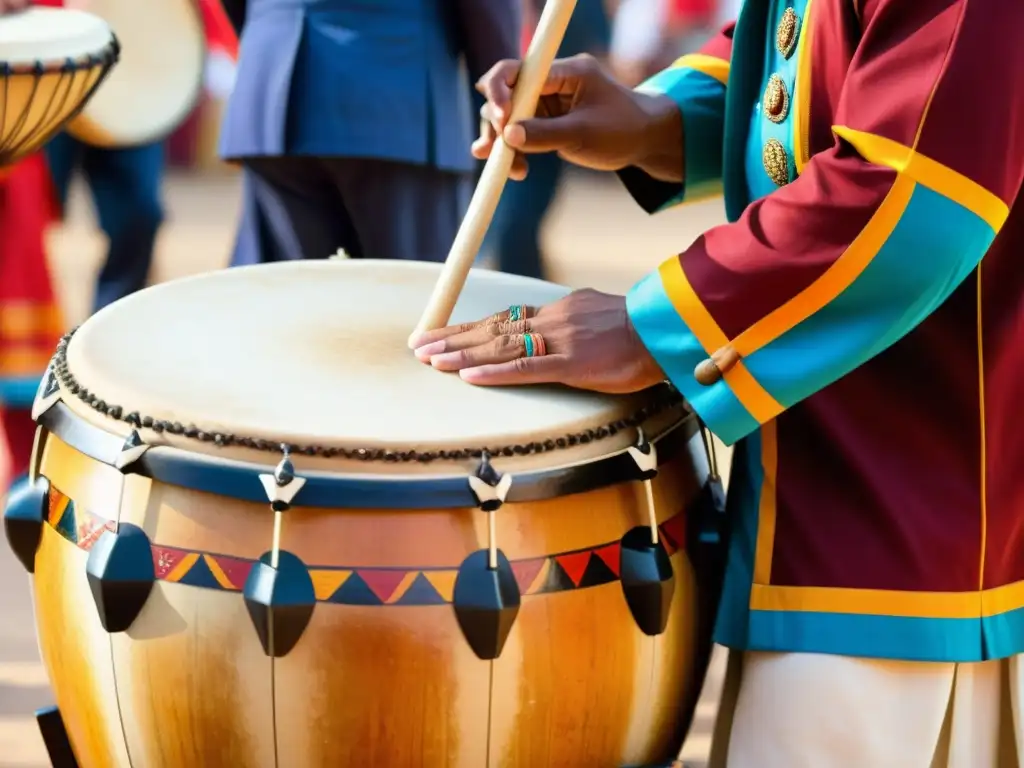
[(665, 398), (104, 57), (244, 480)]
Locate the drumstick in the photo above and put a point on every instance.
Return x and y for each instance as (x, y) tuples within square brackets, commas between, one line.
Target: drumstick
[(536, 64)]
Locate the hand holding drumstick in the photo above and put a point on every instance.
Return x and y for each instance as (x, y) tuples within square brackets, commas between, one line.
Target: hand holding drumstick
[(585, 340)]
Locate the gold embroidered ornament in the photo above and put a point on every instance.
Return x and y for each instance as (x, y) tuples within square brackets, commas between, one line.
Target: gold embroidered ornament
[(787, 32), (776, 163), (776, 99)]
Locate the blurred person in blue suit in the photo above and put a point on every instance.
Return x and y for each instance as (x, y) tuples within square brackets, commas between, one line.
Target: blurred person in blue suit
[(513, 240), (351, 119)]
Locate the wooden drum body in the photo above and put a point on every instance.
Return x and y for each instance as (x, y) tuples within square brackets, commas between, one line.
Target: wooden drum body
[(205, 597), (51, 63)]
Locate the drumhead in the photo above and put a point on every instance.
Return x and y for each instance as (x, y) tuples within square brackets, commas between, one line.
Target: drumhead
[(158, 78), (314, 353), (51, 35)]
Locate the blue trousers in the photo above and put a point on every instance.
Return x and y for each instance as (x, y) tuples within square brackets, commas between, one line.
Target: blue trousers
[(308, 208), (125, 185)]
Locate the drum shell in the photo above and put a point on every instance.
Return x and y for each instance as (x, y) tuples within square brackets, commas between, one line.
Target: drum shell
[(381, 678)]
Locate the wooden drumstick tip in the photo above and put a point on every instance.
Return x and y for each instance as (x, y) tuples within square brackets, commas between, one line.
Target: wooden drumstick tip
[(711, 371)]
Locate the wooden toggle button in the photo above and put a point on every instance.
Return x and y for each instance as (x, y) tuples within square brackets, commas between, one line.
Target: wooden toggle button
[(710, 371)]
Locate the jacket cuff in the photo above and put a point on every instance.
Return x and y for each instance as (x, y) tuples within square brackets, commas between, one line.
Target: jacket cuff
[(676, 349)]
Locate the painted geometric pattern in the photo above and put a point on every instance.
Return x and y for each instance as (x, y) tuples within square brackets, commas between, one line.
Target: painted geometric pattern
[(562, 572)]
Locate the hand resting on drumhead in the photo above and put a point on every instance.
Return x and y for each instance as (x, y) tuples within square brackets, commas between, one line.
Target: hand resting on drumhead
[(586, 341), (585, 116)]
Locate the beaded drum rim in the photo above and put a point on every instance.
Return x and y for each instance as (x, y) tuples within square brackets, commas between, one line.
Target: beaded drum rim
[(105, 57), (664, 398)]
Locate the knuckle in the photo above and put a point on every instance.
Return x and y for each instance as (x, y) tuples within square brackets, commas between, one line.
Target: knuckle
[(508, 342), (513, 328), (521, 364), (584, 62)]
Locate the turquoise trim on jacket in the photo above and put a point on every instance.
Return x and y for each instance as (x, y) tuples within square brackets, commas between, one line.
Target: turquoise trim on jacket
[(701, 100), (678, 352), (935, 245)]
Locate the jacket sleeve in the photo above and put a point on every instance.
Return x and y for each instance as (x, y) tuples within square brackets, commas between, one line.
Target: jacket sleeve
[(490, 31), (876, 232), (696, 82)]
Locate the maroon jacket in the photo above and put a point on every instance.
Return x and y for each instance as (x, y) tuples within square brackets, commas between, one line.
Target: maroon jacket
[(866, 318)]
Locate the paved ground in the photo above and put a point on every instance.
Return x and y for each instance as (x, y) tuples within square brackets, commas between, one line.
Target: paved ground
[(596, 238)]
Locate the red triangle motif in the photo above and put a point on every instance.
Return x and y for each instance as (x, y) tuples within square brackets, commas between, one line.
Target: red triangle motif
[(611, 556), (674, 530), (236, 569), (383, 582), (574, 564), (526, 571), (165, 558)]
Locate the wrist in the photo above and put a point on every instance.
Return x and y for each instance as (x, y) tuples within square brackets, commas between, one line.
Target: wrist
[(660, 149)]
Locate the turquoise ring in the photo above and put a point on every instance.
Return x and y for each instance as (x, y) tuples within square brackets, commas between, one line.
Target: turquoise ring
[(534, 345), (516, 313)]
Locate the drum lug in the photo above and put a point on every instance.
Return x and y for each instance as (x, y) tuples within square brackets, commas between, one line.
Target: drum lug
[(24, 518), (55, 738), (279, 592), (486, 595), (648, 580), (47, 395), (280, 601), (132, 450), (121, 575)]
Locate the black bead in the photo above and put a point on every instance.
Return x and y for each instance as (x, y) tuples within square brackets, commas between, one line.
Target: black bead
[(647, 580), (121, 575), (280, 602), (24, 518), (486, 603)]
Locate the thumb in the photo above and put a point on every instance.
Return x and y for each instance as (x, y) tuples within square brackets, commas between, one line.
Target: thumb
[(546, 134)]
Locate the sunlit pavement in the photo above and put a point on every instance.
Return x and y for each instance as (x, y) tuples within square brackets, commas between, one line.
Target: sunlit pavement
[(595, 237)]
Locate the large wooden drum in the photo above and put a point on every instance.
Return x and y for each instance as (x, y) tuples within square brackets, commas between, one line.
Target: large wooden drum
[(262, 534)]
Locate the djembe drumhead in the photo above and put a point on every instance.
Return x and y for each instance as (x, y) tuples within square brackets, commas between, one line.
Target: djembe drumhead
[(270, 531), (158, 80), (51, 62)]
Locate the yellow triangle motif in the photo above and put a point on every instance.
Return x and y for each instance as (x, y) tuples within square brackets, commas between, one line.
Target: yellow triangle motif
[(326, 583), (443, 582)]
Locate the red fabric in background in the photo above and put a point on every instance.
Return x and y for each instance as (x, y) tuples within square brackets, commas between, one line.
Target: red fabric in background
[(220, 35)]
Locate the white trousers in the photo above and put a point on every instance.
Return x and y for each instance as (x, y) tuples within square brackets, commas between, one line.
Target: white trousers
[(813, 711)]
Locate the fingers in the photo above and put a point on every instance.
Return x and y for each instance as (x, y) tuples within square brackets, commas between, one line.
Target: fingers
[(480, 335), (501, 349), (547, 134), (523, 370), (496, 87), (498, 323), (481, 148)]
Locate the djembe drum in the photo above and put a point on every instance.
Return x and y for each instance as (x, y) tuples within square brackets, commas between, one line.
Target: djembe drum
[(51, 62), (263, 534)]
